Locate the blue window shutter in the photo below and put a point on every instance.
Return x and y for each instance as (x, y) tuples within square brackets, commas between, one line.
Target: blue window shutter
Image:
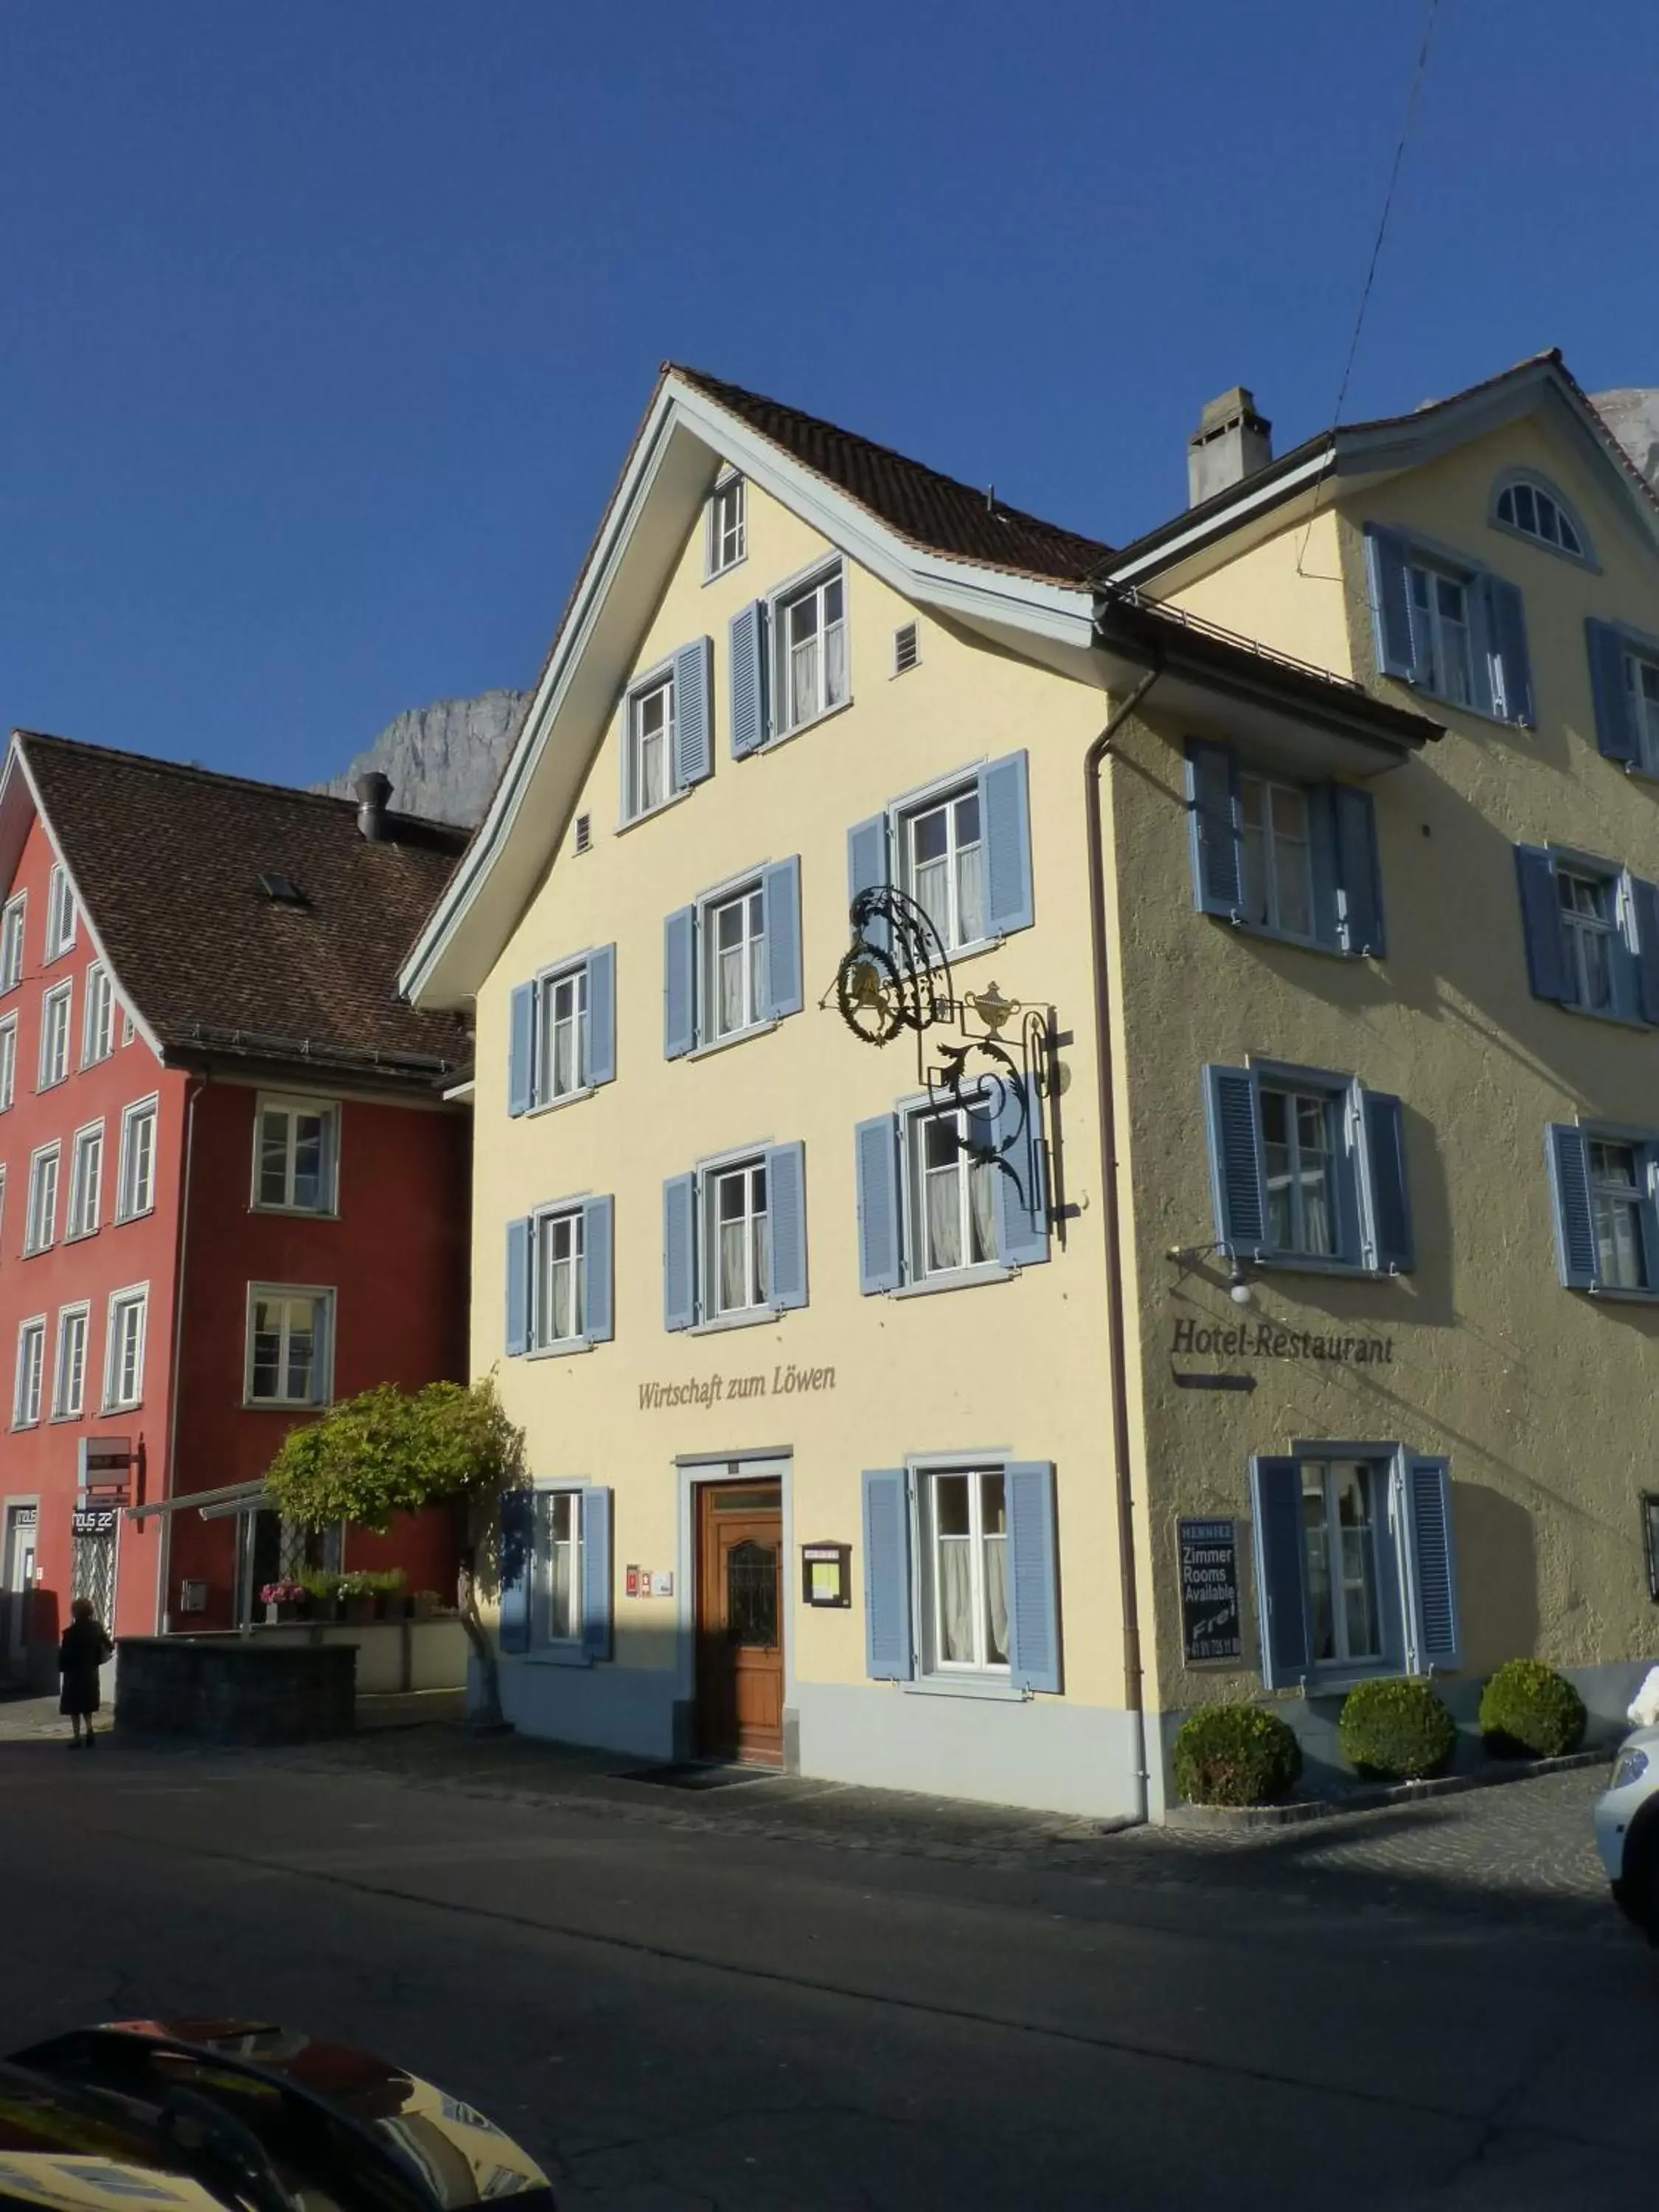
[(749, 680), (1507, 631), (1359, 873), (1382, 1133), (514, 1566), (518, 1288), (1485, 668), (1005, 825), (781, 896), (1234, 1118), (876, 1144), (679, 983), (1644, 914), (602, 1015), (598, 1250), (522, 1050), (889, 1656), (1432, 1567), (1322, 865), (1212, 813), (1391, 606), (1541, 924), (786, 1222), (1281, 1602), (1570, 1194), (598, 1580), (679, 1251), (694, 712), (869, 869), (1021, 1196), (1033, 1576), (1615, 732)]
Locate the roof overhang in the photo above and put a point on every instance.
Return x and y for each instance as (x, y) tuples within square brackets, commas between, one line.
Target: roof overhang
[(685, 441), (1214, 683)]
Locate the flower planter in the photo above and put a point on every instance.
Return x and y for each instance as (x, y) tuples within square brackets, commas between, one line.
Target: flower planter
[(423, 1605), (285, 1609), (394, 1605), (359, 1612)]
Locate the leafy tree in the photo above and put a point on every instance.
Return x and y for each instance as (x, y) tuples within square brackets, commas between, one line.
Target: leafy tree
[(386, 1452)]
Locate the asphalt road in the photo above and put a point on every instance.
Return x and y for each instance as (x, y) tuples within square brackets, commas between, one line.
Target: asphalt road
[(675, 2013)]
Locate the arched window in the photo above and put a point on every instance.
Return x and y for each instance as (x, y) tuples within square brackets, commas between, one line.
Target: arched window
[(1527, 505)]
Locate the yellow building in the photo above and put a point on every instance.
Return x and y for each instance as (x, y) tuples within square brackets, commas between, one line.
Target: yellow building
[(1189, 1230)]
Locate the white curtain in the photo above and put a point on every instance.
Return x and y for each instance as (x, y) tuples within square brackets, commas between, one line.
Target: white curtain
[(1316, 1211), (564, 1058), (733, 1289), (944, 1219), (834, 664), (982, 1201), (956, 1599), (971, 894), (733, 1013), (653, 750), (803, 681), (763, 1273), (996, 1598)]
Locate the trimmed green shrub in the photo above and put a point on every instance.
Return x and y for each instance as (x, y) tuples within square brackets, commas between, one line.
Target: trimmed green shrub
[(1235, 1755), (1530, 1711), (1396, 1731)]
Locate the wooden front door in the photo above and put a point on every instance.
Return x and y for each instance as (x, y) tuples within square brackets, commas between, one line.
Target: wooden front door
[(740, 1622)]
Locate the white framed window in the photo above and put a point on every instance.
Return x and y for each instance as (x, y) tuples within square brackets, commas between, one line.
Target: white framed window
[(556, 1586), (296, 1156), (128, 1027), (57, 1009), (734, 983), (8, 1062), (12, 920), (1299, 1158), (41, 1229), (69, 1388), (728, 526), (1533, 510), (86, 1181), (736, 1245), (98, 1018), (942, 864), (1276, 856), (1642, 704), (1589, 928), (1340, 1501), (60, 914), (809, 625), (649, 779), (558, 1297), (124, 1358), (31, 1368), (953, 1197), (136, 1186), (289, 1345), (1440, 620), (562, 1034), (965, 1581)]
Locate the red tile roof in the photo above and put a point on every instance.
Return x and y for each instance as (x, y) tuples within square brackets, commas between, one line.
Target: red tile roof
[(168, 861), (930, 511)]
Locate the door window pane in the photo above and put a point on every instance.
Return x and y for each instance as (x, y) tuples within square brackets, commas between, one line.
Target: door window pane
[(969, 1569), (1339, 1551)]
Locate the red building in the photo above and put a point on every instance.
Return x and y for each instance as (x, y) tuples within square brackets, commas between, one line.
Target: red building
[(232, 1188)]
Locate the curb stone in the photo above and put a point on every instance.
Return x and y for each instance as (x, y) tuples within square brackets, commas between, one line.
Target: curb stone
[(1227, 1820)]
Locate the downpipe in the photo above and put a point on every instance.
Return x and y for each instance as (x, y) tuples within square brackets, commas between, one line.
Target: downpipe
[(1117, 1346)]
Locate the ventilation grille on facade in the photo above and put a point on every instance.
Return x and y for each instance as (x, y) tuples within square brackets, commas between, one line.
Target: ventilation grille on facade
[(584, 832), (906, 648)]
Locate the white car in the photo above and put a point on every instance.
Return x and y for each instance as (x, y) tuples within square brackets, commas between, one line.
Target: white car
[(1627, 1829)]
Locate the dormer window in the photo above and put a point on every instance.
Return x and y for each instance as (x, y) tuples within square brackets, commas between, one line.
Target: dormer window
[(1527, 505)]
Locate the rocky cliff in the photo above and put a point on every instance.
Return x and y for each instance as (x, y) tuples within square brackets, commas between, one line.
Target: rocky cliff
[(1633, 415), (443, 760)]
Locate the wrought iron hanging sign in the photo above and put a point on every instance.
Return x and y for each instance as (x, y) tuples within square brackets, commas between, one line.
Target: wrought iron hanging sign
[(997, 1077)]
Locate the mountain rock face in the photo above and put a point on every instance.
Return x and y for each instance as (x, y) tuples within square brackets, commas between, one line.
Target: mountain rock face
[(443, 760), (1633, 415)]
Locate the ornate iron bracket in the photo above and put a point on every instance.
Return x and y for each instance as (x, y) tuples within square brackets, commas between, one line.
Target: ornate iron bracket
[(999, 1078)]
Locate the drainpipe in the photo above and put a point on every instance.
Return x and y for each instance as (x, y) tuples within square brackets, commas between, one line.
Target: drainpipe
[(165, 1550), (1112, 1227)]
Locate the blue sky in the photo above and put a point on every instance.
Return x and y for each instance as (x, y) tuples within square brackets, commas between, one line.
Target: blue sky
[(324, 327)]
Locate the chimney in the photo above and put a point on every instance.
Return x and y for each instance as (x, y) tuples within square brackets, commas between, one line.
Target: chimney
[(1233, 442), (373, 790)]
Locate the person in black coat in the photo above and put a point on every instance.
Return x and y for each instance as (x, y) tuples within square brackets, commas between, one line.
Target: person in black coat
[(84, 1649)]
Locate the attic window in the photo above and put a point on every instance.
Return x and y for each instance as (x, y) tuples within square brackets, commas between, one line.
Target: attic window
[(283, 890), (907, 649), (584, 832), (1530, 508)]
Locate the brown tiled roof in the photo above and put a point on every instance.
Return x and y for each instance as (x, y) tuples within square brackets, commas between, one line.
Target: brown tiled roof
[(168, 861), (932, 511)]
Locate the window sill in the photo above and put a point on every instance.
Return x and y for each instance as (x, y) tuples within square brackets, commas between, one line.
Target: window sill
[(713, 575), (726, 1043), (55, 1083), (37, 1251), (55, 1420), (984, 1687), (554, 1654), (262, 1406), (122, 1219), (750, 1318), (1618, 1296), (799, 730), (80, 1236), (1296, 1263), (1317, 946), (959, 1279), (135, 1406), (638, 821), (1609, 1015), (560, 1351), (18, 1427), (1461, 707), (298, 1213), (552, 1105)]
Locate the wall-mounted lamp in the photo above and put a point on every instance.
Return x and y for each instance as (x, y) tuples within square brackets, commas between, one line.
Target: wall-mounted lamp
[(1188, 1258)]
